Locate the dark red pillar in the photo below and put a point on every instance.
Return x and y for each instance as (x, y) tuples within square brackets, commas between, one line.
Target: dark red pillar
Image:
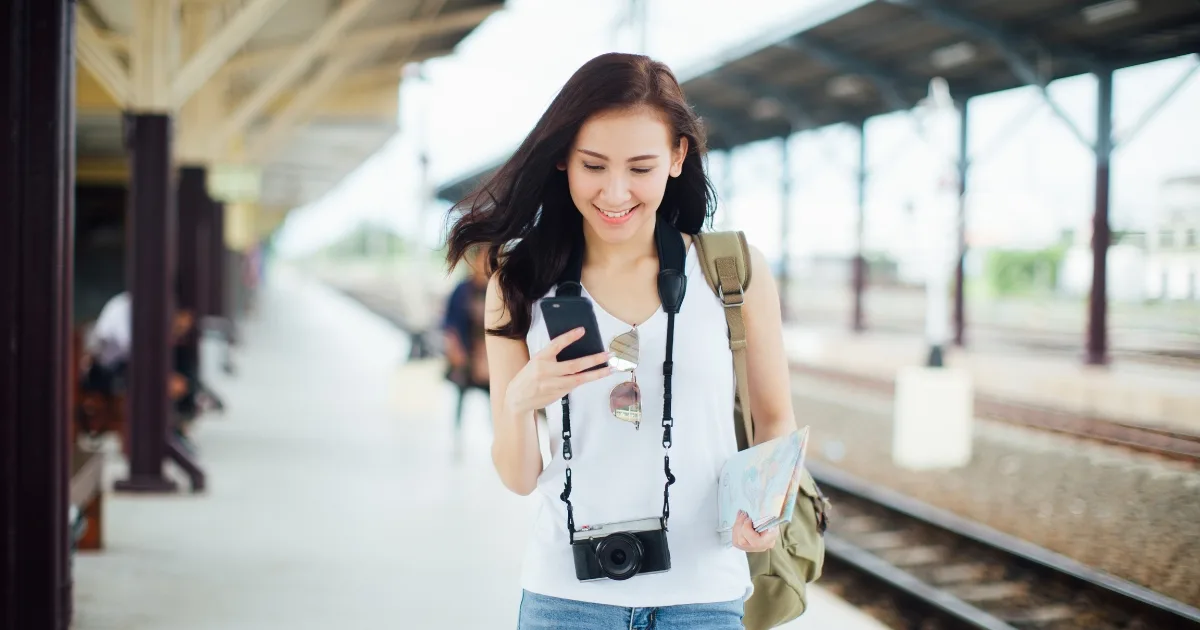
[(1097, 340), (195, 211), (859, 269), (216, 259), (36, 244), (150, 273), (960, 281)]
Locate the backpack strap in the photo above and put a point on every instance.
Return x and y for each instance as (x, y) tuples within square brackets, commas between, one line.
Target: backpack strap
[(725, 258)]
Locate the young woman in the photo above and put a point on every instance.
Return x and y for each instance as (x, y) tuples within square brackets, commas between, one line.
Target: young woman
[(618, 153)]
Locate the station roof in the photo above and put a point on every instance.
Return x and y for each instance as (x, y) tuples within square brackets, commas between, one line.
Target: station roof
[(347, 123), (860, 59), (850, 60)]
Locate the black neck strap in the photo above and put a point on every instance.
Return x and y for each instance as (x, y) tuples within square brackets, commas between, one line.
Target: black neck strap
[(672, 285)]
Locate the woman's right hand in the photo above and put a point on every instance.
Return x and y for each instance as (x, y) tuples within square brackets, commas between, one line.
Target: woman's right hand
[(544, 379)]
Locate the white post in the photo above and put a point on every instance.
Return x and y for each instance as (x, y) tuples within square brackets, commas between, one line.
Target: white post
[(934, 404)]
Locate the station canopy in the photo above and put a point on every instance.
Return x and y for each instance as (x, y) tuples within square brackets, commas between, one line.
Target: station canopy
[(334, 112), (854, 59)]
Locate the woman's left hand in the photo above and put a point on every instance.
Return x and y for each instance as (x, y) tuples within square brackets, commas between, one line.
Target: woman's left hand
[(747, 539)]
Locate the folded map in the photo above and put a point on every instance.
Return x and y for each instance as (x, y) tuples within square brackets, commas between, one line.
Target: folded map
[(761, 481)]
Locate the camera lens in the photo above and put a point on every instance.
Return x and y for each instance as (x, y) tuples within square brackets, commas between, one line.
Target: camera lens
[(620, 556)]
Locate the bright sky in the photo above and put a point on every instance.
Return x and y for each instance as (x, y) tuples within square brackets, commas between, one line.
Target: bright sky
[(1032, 178)]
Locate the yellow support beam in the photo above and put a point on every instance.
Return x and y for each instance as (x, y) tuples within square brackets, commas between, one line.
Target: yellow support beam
[(109, 171), (318, 44), (368, 38), (153, 55), (90, 96), (379, 102), (297, 112), (207, 59), (94, 53)]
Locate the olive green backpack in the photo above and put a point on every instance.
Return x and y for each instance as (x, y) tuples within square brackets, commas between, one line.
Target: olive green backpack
[(781, 575)]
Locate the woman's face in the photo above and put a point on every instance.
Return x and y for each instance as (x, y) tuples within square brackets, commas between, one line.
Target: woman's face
[(618, 169)]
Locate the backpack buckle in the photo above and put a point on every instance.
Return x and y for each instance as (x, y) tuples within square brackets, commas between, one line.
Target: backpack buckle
[(740, 295)]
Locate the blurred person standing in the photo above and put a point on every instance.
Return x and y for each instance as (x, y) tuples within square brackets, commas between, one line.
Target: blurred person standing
[(464, 338)]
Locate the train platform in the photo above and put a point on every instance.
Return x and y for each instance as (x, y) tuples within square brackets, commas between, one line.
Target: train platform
[(334, 499), (1136, 392)]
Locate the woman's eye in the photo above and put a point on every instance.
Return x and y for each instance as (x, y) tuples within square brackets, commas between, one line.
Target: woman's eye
[(593, 167), (641, 171)]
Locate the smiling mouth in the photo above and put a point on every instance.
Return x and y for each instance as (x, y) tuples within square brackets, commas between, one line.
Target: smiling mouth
[(616, 215)]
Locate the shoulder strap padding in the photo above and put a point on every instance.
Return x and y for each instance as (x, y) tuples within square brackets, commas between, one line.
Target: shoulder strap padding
[(725, 258)]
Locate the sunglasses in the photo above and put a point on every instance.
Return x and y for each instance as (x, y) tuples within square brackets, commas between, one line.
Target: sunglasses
[(625, 399)]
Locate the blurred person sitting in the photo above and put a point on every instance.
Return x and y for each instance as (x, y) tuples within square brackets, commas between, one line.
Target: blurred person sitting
[(108, 345), (110, 342), (463, 335)]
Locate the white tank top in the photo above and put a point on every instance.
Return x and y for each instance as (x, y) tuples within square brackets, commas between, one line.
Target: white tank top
[(617, 470)]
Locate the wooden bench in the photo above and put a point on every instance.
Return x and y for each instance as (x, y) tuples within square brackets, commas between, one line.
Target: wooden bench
[(87, 498), (86, 488), (96, 414)]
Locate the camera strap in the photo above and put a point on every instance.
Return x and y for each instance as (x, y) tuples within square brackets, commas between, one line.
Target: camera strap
[(672, 285)]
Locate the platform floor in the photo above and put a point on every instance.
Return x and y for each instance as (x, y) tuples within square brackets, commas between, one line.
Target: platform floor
[(335, 499)]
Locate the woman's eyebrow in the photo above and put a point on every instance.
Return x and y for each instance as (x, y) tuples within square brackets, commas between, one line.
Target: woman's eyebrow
[(601, 156)]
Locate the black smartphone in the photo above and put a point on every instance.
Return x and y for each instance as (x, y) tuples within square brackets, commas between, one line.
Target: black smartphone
[(566, 313)]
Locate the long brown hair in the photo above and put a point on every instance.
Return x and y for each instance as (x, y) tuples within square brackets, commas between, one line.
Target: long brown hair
[(524, 214)]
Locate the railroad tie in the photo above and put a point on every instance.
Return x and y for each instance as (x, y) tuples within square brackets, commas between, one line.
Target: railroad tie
[(909, 557), (858, 525), (880, 541), (1043, 615), (989, 592), (960, 573)]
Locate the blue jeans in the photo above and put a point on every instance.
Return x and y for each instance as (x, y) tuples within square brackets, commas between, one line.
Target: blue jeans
[(542, 612)]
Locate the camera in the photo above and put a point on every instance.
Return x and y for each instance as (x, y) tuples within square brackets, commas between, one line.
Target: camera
[(619, 551)]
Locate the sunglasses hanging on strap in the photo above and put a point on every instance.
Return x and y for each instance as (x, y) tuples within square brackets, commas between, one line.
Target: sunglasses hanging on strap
[(672, 284)]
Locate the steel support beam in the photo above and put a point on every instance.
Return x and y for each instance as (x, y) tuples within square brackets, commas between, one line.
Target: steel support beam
[(795, 115), (890, 85), (960, 299), (1006, 44), (1097, 340), (859, 262), (723, 123), (37, 78), (1123, 138)]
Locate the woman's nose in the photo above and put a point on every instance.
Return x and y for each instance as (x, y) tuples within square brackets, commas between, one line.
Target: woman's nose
[(616, 190)]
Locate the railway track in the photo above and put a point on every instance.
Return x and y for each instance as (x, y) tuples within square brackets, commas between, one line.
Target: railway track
[(915, 566), (1174, 444)]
